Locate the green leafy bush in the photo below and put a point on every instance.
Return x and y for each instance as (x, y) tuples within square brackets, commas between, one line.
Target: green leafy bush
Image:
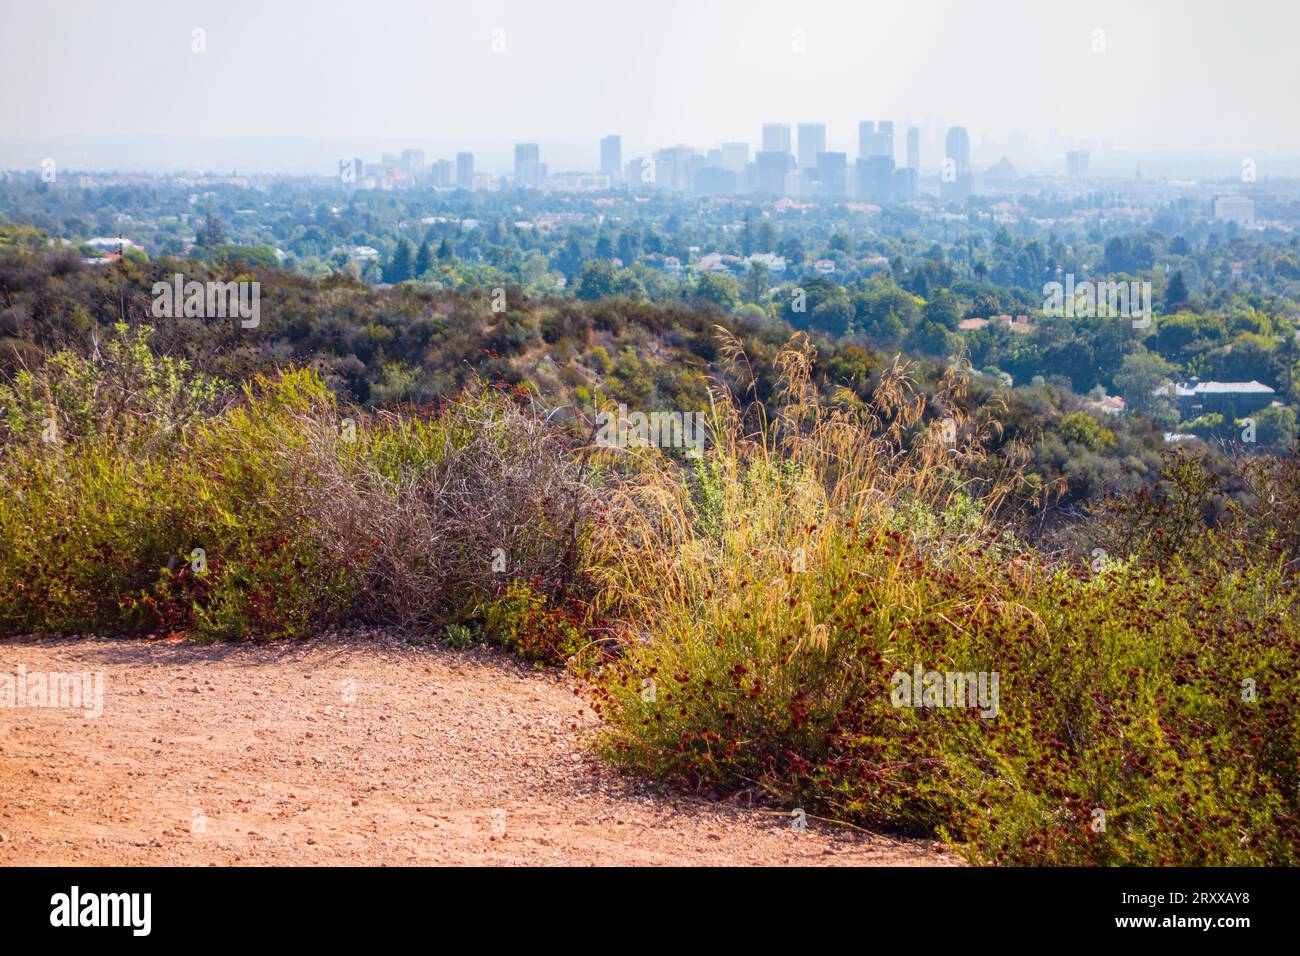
[(522, 619)]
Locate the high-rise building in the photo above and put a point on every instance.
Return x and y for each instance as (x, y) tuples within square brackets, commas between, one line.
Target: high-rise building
[(465, 170), (611, 156), (875, 139), (637, 171), (776, 137), (958, 146), (812, 141), (772, 166), (1076, 163), (412, 161), (674, 166), (914, 149), (442, 173), (735, 156), (955, 179), (874, 178), (832, 171), (529, 169)]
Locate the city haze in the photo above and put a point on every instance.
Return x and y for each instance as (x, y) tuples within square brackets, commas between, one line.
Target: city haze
[(295, 86)]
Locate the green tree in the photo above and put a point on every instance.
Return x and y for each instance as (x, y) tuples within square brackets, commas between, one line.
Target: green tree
[(211, 234), (832, 317), (1176, 294), (717, 288), (1139, 378), (755, 285), (629, 247), (1277, 427), (403, 262), (597, 280), (943, 309), (931, 338), (423, 260)]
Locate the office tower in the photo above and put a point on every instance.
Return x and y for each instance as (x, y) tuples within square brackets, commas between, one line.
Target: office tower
[(1076, 163), (776, 137), (442, 173), (674, 166), (527, 152), (914, 149), (735, 156), (832, 170), (611, 156), (465, 170), (639, 173), (874, 178), (529, 169), (412, 160), (875, 139), (955, 179), (772, 166), (958, 146), (812, 141)]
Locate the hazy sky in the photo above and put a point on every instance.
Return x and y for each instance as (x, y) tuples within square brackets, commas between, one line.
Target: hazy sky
[(1202, 75)]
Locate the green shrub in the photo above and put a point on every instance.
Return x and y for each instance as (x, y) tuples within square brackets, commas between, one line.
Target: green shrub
[(81, 529), (271, 516), (521, 618), (773, 593)]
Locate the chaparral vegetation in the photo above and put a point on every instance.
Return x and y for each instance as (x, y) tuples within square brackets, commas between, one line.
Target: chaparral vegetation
[(739, 615)]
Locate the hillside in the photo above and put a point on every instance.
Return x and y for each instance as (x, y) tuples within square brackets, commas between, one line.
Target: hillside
[(413, 345), (839, 602)]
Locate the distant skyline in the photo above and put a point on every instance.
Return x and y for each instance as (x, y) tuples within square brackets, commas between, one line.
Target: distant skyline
[(292, 86)]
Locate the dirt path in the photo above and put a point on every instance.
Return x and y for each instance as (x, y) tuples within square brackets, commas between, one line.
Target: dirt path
[(361, 751)]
